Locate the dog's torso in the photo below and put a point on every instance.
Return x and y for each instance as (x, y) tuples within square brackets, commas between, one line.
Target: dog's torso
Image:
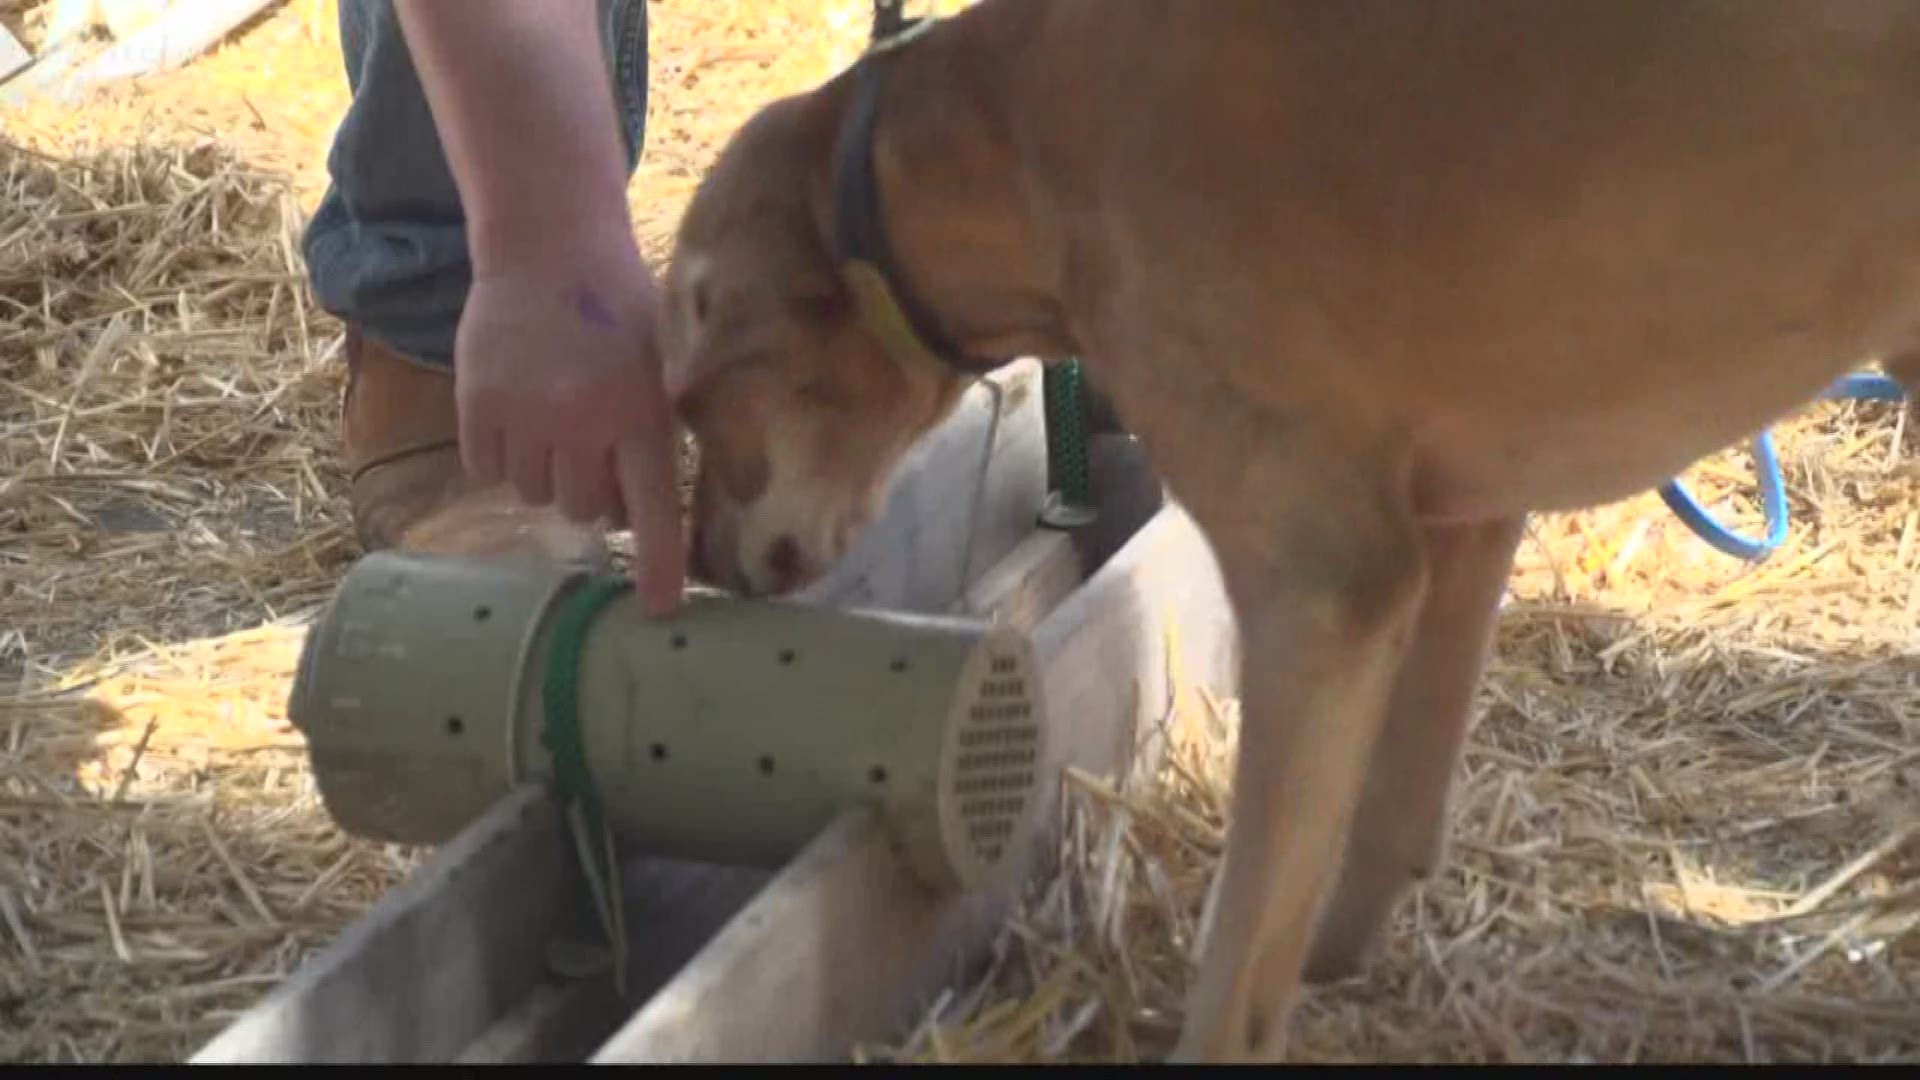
[(1561, 274), (1373, 278)]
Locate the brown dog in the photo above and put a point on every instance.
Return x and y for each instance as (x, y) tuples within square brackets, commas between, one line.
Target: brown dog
[(1372, 279)]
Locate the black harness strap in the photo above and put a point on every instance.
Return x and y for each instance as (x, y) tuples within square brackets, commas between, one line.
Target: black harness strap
[(892, 310)]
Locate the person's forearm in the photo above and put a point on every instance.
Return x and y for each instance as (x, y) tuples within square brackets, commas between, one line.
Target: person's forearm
[(521, 98)]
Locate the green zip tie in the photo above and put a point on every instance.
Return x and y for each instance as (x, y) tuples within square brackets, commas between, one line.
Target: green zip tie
[(593, 842)]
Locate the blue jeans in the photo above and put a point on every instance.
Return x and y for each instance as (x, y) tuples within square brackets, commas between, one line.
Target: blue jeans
[(387, 247)]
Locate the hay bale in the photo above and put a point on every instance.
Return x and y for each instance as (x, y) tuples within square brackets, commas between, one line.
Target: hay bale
[(166, 383)]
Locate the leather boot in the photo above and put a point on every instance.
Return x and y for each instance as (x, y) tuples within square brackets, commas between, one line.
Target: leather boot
[(409, 490)]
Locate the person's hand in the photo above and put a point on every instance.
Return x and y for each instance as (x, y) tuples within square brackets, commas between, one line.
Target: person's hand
[(556, 380), (560, 394)]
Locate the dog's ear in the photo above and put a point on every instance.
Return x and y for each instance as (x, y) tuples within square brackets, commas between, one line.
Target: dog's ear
[(688, 287), (676, 371), (676, 376)]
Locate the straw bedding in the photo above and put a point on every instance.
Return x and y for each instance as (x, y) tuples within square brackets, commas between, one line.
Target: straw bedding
[(1684, 829), (1684, 825)]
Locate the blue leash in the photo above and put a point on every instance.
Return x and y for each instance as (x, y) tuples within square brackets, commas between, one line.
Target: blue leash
[(1773, 496)]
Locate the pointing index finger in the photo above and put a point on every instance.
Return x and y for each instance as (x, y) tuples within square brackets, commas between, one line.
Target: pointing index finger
[(651, 499)]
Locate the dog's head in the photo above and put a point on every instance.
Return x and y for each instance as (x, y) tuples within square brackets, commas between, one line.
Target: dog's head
[(800, 414)]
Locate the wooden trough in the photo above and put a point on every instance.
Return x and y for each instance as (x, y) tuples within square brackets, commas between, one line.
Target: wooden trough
[(468, 960)]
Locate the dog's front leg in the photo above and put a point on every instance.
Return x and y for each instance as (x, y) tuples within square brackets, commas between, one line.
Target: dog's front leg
[(1399, 831), (1326, 568)]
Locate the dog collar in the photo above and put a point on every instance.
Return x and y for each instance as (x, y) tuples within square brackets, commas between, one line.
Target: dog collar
[(891, 311)]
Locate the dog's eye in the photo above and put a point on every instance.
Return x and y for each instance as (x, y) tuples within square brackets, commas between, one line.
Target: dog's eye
[(702, 302)]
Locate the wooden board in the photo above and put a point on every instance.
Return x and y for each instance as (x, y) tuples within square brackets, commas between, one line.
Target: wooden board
[(963, 497), (845, 946), (1027, 583), (452, 964), (673, 908), (436, 960), (174, 34), (13, 55)]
